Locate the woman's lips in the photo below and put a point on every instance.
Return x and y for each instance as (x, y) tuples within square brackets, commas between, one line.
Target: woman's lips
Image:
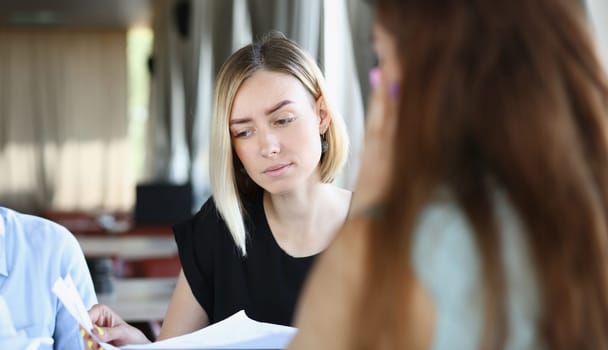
[(277, 170)]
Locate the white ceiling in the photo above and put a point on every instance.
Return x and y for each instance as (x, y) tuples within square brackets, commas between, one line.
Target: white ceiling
[(112, 13)]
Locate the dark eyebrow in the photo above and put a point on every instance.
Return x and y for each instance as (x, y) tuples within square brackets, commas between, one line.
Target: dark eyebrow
[(278, 106)]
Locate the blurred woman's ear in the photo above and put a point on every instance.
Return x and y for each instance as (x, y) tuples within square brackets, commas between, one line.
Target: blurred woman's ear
[(322, 112)]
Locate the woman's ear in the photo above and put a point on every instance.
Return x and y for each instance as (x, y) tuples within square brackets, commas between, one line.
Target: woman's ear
[(323, 114)]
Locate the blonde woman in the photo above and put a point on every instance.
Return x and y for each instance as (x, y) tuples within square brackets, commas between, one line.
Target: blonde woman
[(276, 146)]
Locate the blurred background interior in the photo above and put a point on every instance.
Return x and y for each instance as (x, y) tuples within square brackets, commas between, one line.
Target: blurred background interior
[(105, 108)]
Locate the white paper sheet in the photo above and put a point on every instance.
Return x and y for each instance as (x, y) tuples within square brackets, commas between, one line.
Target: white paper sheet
[(236, 332)]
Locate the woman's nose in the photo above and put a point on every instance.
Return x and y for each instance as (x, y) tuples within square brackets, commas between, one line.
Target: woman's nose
[(269, 144)]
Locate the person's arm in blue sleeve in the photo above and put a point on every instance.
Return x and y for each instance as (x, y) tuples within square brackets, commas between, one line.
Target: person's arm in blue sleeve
[(67, 334)]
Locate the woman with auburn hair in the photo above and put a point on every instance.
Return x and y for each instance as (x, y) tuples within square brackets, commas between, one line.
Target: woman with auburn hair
[(276, 146), (486, 226)]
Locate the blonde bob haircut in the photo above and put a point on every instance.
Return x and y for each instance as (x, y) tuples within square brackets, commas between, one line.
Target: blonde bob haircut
[(275, 53)]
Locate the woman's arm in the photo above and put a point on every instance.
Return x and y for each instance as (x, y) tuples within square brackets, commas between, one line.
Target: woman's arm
[(332, 298), (184, 314)]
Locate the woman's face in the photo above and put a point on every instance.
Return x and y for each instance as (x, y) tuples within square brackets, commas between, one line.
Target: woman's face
[(386, 51), (275, 126)]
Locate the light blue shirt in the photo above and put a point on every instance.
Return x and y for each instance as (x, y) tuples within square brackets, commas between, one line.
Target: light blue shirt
[(34, 252)]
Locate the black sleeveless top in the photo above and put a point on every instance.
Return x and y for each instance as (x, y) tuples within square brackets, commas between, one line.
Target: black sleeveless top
[(266, 283)]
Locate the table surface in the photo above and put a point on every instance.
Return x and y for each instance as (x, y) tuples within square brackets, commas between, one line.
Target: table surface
[(140, 299), (128, 247)]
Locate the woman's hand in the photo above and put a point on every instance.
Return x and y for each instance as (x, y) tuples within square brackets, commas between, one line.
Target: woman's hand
[(110, 328)]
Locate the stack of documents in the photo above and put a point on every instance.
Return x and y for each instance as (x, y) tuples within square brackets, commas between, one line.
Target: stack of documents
[(236, 332)]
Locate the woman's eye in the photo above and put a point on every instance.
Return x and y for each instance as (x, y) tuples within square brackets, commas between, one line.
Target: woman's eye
[(242, 134), (284, 121)]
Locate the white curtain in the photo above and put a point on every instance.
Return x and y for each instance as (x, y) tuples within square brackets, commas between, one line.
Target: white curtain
[(167, 156), (343, 81), (63, 120), (181, 107)]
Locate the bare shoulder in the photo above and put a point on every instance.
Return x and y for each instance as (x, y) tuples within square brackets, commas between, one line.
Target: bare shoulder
[(331, 296)]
